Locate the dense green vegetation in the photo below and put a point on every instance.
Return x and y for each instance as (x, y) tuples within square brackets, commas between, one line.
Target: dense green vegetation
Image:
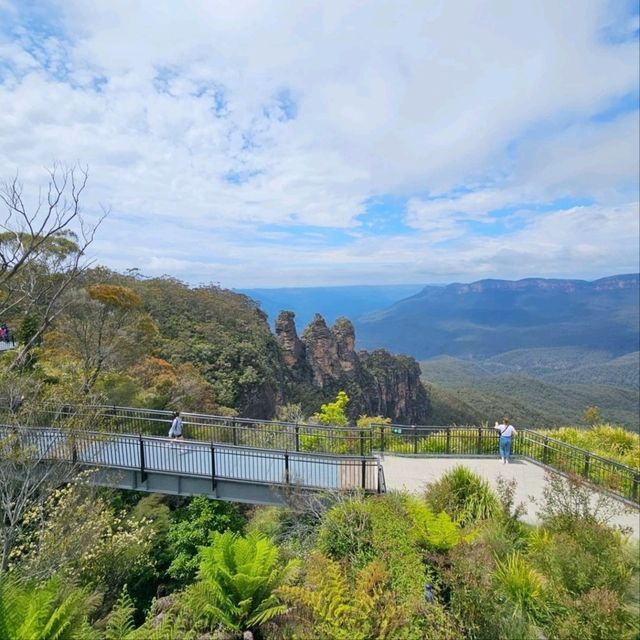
[(468, 392), (333, 567), (82, 563), (604, 440)]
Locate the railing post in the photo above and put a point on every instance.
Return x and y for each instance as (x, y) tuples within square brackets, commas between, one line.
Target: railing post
[(634, 488), (415, 439), (364, 475), (585, 470), (479, 447), (74, 449), (362, 443), (297, 430), (143, 472), (234, 427), (286, 467), (448, 449), (545, 451), (382, 438), (213, 469)]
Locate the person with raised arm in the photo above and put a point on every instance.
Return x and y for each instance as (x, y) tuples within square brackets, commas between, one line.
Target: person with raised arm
[(507, 433)]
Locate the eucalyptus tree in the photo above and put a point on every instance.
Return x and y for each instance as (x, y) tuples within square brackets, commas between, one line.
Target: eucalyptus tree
[(42, 250), (104, 326)]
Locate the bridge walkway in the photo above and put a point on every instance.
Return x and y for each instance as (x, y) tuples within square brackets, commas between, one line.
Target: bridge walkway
[(189, 467)]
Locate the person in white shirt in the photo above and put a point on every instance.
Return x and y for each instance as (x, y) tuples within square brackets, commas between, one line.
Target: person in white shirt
[(507, 432), (176, 426)]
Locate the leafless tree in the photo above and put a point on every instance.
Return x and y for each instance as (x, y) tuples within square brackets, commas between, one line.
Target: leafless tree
[(42, 249)]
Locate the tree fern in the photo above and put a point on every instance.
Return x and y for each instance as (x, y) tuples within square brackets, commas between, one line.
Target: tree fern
[(340, 610), (236, 582), (120, 622), (45, 611)]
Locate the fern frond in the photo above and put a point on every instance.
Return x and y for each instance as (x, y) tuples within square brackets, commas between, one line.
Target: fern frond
[(120, 621)]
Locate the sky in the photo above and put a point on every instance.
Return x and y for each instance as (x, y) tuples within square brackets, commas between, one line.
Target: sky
[(285, 143)]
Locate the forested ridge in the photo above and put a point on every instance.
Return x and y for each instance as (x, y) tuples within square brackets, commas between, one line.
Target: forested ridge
[(158, 343)]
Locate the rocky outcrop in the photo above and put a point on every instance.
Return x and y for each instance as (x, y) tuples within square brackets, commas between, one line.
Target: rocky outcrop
[(321, 351), (394, 388), (345, 336), (292, 347), (323, 361)]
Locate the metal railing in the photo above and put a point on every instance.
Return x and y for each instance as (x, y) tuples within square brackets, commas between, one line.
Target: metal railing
[(616, 477), (197, 459), (351, 441)]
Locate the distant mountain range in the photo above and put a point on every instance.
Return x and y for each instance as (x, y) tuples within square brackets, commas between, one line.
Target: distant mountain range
[(330, 302), (540, 350), (489, 317)]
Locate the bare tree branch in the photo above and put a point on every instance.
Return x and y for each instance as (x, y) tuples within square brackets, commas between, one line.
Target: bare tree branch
[(42, 252)]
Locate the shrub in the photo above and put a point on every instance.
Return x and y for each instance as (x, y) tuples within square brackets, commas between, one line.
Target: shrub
[(191, 528), (392, 541), (469, 584), (598, 614), (584, 557), (607, 441), (333, 413), (464, 495), (346, 532), (430, 531), (336, 607), (521, 586), (567, 503)]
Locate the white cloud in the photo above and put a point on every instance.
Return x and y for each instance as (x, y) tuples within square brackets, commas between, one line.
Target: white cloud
[(166, 103)]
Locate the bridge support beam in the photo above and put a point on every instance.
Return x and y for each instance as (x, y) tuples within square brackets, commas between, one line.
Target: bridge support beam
[(228, 490)]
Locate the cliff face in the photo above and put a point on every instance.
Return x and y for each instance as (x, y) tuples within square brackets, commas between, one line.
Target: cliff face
[(325, 359), (394, 388)]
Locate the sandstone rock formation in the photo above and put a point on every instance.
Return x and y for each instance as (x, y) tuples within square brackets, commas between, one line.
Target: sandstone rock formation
[(324, 359)]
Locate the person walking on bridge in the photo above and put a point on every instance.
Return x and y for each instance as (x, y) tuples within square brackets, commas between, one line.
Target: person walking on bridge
[(176, 426), (507, 432)]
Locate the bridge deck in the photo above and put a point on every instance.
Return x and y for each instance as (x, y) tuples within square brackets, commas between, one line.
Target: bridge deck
[(187, 460)]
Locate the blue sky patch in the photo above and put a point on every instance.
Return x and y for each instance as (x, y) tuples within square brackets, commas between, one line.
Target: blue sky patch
[(385, 215)]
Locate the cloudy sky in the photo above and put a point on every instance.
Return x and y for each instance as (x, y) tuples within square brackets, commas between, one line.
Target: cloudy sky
[(287, 143)]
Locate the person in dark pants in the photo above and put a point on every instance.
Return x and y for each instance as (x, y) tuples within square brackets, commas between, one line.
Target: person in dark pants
[(16, 403)]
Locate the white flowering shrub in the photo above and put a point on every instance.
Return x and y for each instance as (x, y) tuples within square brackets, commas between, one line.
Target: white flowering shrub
[(76, 532)]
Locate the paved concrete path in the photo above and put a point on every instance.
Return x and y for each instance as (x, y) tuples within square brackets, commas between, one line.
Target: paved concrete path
[(413, 474)]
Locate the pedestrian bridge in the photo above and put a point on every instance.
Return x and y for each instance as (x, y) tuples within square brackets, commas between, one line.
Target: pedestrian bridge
[(189, 467), (256, 461)]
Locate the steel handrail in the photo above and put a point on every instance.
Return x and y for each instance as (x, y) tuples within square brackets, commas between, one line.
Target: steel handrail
[(392, 438)]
